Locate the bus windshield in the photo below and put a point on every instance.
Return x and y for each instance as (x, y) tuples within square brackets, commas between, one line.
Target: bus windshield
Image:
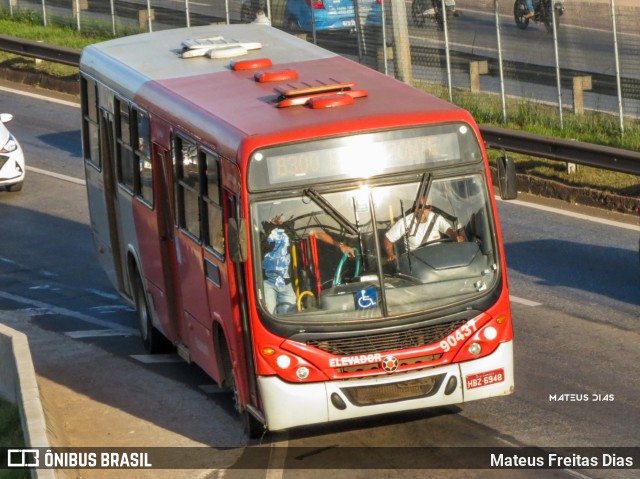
[(339, 253)]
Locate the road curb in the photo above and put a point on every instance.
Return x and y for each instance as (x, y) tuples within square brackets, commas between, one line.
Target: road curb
[(19, 386)]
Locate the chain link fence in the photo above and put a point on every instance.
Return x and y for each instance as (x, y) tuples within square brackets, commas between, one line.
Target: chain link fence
[(585, 56)]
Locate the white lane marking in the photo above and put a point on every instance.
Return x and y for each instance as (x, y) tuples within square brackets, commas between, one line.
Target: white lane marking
[(58, 176), (39, 97), (526, 302), (577, 474), (51, 309), (104, 294), (157, 358), (99, 333), (277, 455), (579, 216)]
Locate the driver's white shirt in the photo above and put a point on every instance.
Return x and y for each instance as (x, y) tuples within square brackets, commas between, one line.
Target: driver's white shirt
[(397, 230)]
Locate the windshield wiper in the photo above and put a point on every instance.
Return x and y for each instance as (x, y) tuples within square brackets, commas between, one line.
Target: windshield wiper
[(420, 202), (330, 210)]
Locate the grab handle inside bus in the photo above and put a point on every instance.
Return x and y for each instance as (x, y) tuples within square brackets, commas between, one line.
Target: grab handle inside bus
[(237, 240)]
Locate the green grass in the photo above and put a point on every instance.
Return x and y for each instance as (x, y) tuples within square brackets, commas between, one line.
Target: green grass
[(537, 118), (10, 426), (592, 127), (11, 436)]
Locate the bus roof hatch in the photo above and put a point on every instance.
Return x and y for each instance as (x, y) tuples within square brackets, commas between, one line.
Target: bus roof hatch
[(216, 47)]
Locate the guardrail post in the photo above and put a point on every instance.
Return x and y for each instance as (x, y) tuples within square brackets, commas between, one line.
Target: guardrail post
[(579, 85), (475, 70), (145, 17), (80, 5)]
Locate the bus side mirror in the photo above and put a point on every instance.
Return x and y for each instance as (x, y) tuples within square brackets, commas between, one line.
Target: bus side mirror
[(237, 240), (507, 180)]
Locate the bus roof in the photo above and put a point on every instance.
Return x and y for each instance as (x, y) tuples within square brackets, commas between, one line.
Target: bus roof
[(207, 97)]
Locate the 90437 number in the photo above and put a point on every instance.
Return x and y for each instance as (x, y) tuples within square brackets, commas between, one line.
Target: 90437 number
[(458, 336)]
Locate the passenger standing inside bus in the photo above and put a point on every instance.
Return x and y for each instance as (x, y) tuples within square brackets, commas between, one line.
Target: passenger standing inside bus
[(279, 296), (430, 227)]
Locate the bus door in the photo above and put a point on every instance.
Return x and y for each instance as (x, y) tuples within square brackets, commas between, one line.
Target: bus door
[(215, 264), (189, 172), (113, 262), (157, 246)]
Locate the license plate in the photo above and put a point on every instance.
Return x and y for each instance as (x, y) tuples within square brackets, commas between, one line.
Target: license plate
[(349, 23), (485, 379)]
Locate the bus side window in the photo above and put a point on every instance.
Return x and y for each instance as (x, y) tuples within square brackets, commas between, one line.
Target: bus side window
[(187, 186), (142, 152), (212, 202), (124, 159), (91, 141)]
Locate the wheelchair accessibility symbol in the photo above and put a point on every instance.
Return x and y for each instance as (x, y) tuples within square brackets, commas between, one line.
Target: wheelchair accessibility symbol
[(366, 298)]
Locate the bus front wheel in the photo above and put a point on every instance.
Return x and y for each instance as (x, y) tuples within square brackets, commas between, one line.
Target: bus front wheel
[(253, 428)]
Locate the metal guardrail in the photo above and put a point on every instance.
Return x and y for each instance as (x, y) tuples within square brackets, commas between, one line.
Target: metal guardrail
[(514, 141), (43, 51), (571, 151)]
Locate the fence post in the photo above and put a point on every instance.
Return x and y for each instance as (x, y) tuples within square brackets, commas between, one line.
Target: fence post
[(618, 81), (44, 13), (475, 70), (113, 17), (78, 6), (496, 8), (384, 54), (557, 58)]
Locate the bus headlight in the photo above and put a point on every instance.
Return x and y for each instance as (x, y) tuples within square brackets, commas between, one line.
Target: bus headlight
[(283, 361), (490, 333)]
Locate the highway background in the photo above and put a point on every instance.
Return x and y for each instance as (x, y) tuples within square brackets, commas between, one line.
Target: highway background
[(536, 65), (575, 286)]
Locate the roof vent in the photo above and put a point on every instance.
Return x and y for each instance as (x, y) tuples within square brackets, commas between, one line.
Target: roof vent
[(321, 95), (216, 47), (251, 64), (330, 101), (310, 89), (282, 75)]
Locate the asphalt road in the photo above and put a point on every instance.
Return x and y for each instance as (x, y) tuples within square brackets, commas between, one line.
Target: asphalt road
[(575, 286)]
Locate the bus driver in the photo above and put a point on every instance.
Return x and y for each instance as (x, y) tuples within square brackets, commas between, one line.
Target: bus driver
[(430, 228)]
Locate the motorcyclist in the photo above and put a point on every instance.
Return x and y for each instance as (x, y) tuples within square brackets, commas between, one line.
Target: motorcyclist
[(530, 13), (450, 5)]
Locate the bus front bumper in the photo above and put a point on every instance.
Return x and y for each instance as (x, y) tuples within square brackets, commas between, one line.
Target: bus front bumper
[(288, 405)]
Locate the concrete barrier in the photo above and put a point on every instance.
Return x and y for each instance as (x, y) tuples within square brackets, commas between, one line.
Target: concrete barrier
[(18, 385)]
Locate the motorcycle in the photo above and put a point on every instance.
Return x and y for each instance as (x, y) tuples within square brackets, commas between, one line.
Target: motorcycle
[(542, 12), (423, 10)]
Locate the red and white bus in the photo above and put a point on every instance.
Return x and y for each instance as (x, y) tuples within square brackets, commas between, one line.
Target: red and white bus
[(241, 185)]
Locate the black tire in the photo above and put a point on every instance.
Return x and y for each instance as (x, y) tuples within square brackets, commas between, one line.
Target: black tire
[(152, 339), (293, 25), (417, 9), (253, 428), (519, 13), (450, 22), (15, 187)]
